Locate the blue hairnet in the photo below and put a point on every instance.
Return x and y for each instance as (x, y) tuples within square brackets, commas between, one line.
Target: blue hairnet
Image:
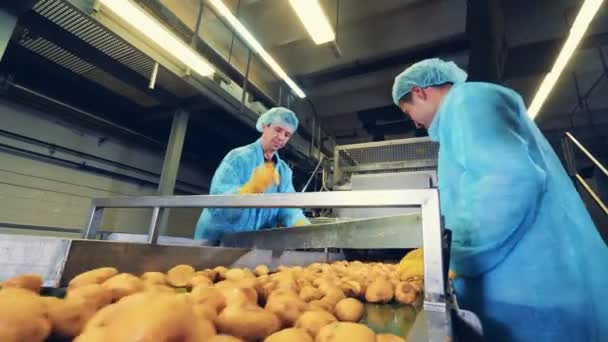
[(278, 116), (427, 73)]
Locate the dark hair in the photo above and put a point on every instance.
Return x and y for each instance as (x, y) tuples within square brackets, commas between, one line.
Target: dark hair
[(408, 97)]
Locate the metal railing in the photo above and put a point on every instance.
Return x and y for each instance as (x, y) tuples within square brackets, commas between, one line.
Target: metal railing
[(568, 142)]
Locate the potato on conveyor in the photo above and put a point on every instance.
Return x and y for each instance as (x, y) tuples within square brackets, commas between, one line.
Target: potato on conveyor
[(260, 270), (209, 273), (154, 278), (247, 322), (379, 291), (122, 285), (199, 279), (95, 295), (405, 293), (208, 296), (221, 272), (236, 296), (96, 276), (321, 305), (68, 316), (287, 307), (289, 335), (313, 321), (180, 275), (158, 288), (389, 338), (345, 331), (31, 282), (224, 338), (309, 293), (349, 310), (22, 316)]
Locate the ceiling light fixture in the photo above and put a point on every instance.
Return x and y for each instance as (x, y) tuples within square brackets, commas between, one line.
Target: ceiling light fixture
[(577, 31), (223, 11), (154, 31), (314, 20)]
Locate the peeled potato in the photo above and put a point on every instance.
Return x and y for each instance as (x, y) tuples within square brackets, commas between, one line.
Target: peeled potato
[(209, 273), (208, 296), (199, 279), (154, 278), (389, 338), (68, 317), (346, 331), (321, 305), (309, 293), (379, 291), (22, 316), (224, 338), (405, 293), (122, 285), (333, 295), (31, 282), (180, 275), (289, 335), (95, 295), (313, 321), (287, 307), (205, 311), (235, 274), (235, 296), (260, 270), (96, 276), (247, 322), (349, 310)]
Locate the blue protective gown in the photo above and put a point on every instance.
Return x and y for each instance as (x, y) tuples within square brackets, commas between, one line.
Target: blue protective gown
[(531, 263), (234, 171)]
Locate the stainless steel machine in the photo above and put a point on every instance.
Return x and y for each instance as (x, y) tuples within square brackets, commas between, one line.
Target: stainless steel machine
[(60, 259)]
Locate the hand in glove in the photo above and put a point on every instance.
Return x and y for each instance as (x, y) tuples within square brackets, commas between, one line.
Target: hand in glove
[(262, 178)]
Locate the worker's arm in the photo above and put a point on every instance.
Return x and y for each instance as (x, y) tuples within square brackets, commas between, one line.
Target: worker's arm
[(228, 179), (289, 217), (498, 185)]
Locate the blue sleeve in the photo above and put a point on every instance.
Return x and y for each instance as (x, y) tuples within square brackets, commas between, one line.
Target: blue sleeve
[(289, 216), (228, 179), (498, 184)]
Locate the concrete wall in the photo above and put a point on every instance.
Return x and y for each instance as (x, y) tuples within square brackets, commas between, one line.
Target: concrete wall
[(52, 187)]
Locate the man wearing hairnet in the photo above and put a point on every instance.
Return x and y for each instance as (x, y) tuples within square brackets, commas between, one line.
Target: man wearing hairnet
[(253, 169), (528, 258)]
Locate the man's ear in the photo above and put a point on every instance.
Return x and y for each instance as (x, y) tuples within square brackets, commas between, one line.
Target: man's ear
[(419, 92)]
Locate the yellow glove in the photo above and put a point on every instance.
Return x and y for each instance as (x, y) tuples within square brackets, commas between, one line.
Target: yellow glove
[(262, 178), (300, 223), (412, 265)]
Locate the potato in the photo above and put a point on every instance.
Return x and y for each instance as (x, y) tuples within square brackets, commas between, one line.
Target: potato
[(346, 331), (389, 338), (154, 278), (352, 288), (313, 321), (247, 322), (158, 288), (203, 331), (95, 295), (68, 317), (108, 314), (287, 307), (224, 338), (379, 291), (349, 310), (96, 276), (180, 275), (92, 335), (321, 305), (235, 274), (260, 270), (309, 293), (122, 285), (31, 282), (405, 293), (417, 283), (221, 272), (199, 279), (235, 296), (208, 296), (205, 311), (22, 316), (333, 295), (209, 273), (289, 335)]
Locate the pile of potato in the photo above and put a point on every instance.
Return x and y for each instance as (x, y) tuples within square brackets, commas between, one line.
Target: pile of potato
[(321, 302)]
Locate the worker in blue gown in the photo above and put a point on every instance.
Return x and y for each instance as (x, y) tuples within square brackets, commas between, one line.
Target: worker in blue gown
[(528, 258), (253, 169)]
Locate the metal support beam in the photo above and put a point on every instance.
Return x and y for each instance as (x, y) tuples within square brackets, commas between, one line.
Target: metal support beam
[(169, 172), (485, 29), (43, 27)]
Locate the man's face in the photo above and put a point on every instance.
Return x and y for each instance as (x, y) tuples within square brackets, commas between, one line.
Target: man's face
[(276, 136), (422, 108)]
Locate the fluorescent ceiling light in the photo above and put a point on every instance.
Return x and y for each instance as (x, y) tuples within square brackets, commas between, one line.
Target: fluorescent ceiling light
[(132, 14), (314, 20), (255, 45), (577, 31)]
